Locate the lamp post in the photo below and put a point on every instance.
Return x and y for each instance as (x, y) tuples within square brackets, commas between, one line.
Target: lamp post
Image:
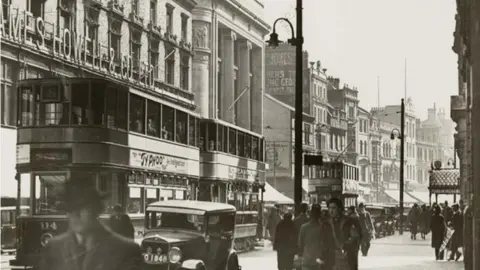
[(298, 43), (401, 136)]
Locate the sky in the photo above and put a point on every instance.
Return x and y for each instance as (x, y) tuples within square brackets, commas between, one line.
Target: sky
[(362, 40)]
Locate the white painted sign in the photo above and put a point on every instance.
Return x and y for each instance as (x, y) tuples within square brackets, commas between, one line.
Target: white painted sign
[(350, 186), (158, 162), (236, 173), (23, 154)]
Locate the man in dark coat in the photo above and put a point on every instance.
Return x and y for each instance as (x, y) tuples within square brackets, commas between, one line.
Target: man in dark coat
[(301, 218), (368, 230), (413, 219), (438, 227), (121, 223), (285, 242), (457, 237), (88, 245), (447, 212)]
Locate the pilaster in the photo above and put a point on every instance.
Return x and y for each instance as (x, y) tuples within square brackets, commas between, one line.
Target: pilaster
[(201, 67), (257, 90), (228, 74), (244, 89)]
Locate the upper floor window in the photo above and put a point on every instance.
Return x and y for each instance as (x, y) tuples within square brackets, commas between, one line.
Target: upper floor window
[(37, 8), (135, 6), (115, 38), (169, 64), (169, 19), (66, 16), (154, 56), (137, 113), (184, 72), (135, 46), (91, 28), (184, 33), (153, 12)]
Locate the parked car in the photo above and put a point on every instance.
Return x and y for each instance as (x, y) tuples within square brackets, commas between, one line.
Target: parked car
[(194, 235)]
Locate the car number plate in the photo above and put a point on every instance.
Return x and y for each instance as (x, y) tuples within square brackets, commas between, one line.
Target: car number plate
[(155, 258)]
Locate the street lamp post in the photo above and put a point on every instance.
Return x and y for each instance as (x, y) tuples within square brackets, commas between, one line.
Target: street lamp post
[(401, 136), (298, 43)]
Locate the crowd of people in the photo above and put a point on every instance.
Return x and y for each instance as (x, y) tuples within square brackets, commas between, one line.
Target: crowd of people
[(317, 238), (444, 222)]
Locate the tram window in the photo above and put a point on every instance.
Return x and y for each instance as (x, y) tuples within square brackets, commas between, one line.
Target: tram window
[(168, 126), (137, 114), (181, 119), (255, 148), (241, 144), (262, 149), (153, 118), (212, 136), (192, 130), (80, 111), (202, 138), (151, 195), (220, 131), (225, 139), (248, 146), (26, 106), (111, 107), (52, 107), (134, 201), (232, 141), (48, 194), (122, 113), (98, 103)]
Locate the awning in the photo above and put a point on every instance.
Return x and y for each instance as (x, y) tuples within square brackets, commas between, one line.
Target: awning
[(272, 195), (444, 181), (395, 195), (421, 196)]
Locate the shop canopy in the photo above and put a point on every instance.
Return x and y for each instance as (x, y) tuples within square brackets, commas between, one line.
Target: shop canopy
[(422, 196), (395, 195), (444, 181), (273, 196)]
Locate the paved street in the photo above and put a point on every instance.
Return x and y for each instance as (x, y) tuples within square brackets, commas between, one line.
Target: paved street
[(393, 253)]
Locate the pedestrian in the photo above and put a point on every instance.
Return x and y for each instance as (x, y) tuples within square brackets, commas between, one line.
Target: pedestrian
[(120, 223), (88, 244), (347, 233), (424, 221), (447, 212), (301, 218), (368, 230), (438, 228), (273, 220), (352, 212), (413, 219), (285, 242), (311, 242), (457, 237)]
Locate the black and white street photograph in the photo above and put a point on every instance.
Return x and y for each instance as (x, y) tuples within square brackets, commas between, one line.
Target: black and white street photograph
[(239, 134)]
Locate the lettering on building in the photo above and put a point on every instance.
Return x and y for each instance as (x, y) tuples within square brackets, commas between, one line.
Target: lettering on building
[(158, 162), (237, 173)]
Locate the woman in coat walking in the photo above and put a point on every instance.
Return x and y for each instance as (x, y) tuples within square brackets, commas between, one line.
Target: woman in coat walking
[(424, 221), (285, 242), (413, 219), (438, 228)]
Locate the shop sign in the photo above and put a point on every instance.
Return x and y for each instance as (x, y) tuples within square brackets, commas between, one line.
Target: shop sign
[(23, 28), (23, 154), (236, 173), (51, 155), (350, 186), (158, 162)]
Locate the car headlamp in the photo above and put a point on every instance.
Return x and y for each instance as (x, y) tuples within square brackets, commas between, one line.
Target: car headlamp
[(174, 255)]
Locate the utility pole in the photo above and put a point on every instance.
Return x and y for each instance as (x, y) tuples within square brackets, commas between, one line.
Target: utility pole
[(402, 161), (298, 109), (275, 165)]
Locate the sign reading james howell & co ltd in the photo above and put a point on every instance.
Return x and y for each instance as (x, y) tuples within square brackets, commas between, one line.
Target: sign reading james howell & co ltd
[(158, 162)]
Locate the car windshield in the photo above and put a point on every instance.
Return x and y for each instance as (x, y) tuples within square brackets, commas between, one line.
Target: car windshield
[(179, 221)]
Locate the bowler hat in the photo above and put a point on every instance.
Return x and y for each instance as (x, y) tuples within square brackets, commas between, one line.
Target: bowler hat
[(79, 194)]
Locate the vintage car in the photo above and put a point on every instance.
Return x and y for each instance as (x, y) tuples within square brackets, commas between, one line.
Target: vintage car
[(9, 228), (196, 235)]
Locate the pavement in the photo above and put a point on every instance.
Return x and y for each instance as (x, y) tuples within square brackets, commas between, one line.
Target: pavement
[(392, 252)]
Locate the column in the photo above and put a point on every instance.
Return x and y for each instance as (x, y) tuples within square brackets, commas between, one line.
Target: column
[(256, 93), (243, 103), (228, 74), (201, 67)]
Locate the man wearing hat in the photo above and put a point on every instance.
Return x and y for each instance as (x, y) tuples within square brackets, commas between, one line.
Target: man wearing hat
[(88, 245)]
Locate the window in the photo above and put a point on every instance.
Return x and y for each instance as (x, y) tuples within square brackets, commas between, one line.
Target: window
[(181, 119), (134, 200), (65, 18), (8, 100), (184, 33), (49, 194), (212, 137), (168, 115), (98, 103), (37, 8), (232, 140), (154, 47), (153, 118), (135, 6), (169, 64), (116, 108), (80, 110), (169, 19), (192, 130), (135, 47), (248, 146), (27, 106), (115, 38), (184, 72), (52, 105), (241, 144), (203, 135), (153, 12), (255, 148), (220, 130), (137, 114), (151, 195), (91, 28), (5, 5)]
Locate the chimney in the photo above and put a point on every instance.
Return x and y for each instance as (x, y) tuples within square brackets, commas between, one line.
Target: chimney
[(319, 65)]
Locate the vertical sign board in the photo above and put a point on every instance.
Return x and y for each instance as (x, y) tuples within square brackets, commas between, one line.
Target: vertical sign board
[(280, 75)]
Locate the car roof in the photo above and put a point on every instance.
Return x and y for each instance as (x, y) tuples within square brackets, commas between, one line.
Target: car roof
[(199, 207)]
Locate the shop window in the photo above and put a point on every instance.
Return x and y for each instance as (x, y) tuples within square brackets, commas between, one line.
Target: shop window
[(255, 148), (212, 136), (181, 120), (232, 141), (192, 130), (137, 113), (179, 194), (203, 136), (225, 139), (153, 118), (241, 144), (220, 131), (248, 146), (8, 101), (116, 107), (80, 111), (49, 194), (151, 195), (52, 105), (135, 200), (168, 126), (98, 103)]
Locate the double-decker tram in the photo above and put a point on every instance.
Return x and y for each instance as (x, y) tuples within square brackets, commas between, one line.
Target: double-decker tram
[(233, 171), (335, 179), (128, 142)]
